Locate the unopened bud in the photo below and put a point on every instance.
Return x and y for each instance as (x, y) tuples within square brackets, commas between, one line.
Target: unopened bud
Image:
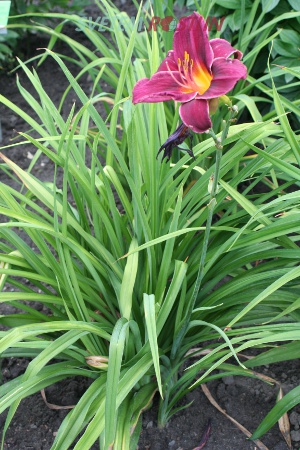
[(235, 109), (213, 105), (224, 100), (99, 362), (210, 183)]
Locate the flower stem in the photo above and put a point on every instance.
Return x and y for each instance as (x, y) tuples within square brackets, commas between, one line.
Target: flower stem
[(211, 206), (213, 188)]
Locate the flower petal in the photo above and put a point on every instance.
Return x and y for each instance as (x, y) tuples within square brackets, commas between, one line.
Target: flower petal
[(226, 73), (168, 63), (191, 36), (161, 87), (195, 115), (222, 49)]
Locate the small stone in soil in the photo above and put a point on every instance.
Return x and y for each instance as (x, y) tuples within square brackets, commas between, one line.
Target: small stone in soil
[(228, 380), (280, 446), (295, 435), (294, 418)]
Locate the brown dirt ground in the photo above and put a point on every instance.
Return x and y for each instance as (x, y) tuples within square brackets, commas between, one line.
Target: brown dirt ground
[(247, 400)]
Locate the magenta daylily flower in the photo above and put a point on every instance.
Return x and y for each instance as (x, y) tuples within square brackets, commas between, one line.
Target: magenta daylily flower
[(194, 73)]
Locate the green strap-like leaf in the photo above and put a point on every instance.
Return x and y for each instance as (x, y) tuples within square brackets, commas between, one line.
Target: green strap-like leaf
[(285, 404), (149, 305), (116, 349)]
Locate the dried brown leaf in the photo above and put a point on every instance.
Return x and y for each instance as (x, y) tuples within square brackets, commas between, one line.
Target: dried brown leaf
[(206, 391), (51, 406), (265, 378), (242, 355), (284, 423), (194, 352)]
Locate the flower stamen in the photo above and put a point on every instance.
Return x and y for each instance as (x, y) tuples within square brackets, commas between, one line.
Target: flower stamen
[(171, 73), (192, 79)]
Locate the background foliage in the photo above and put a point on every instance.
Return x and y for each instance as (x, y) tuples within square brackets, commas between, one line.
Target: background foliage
[(21, 26), (117, 246)]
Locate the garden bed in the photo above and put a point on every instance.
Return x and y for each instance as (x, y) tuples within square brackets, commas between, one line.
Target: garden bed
[(35, 423)]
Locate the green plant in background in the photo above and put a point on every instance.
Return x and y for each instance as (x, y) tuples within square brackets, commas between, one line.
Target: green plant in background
[(286, 47), (251, 27), (20, 24), (119, 243), (30, 6), (8, 41)]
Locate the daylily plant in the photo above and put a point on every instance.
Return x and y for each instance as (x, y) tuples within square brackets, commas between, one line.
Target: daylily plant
[(196, 72)]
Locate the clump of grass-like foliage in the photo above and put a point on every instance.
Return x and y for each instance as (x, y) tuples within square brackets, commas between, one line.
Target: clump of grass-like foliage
[(117, 246)]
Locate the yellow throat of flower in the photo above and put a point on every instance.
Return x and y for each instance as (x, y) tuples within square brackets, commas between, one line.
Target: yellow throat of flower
[(194, 78)]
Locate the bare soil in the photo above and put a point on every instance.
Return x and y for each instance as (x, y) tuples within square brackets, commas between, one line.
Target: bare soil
[(35, 425)]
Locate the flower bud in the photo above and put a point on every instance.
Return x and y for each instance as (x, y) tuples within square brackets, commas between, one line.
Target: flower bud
[(210, 183), (224, 100), (213, 105), (99, 362)]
